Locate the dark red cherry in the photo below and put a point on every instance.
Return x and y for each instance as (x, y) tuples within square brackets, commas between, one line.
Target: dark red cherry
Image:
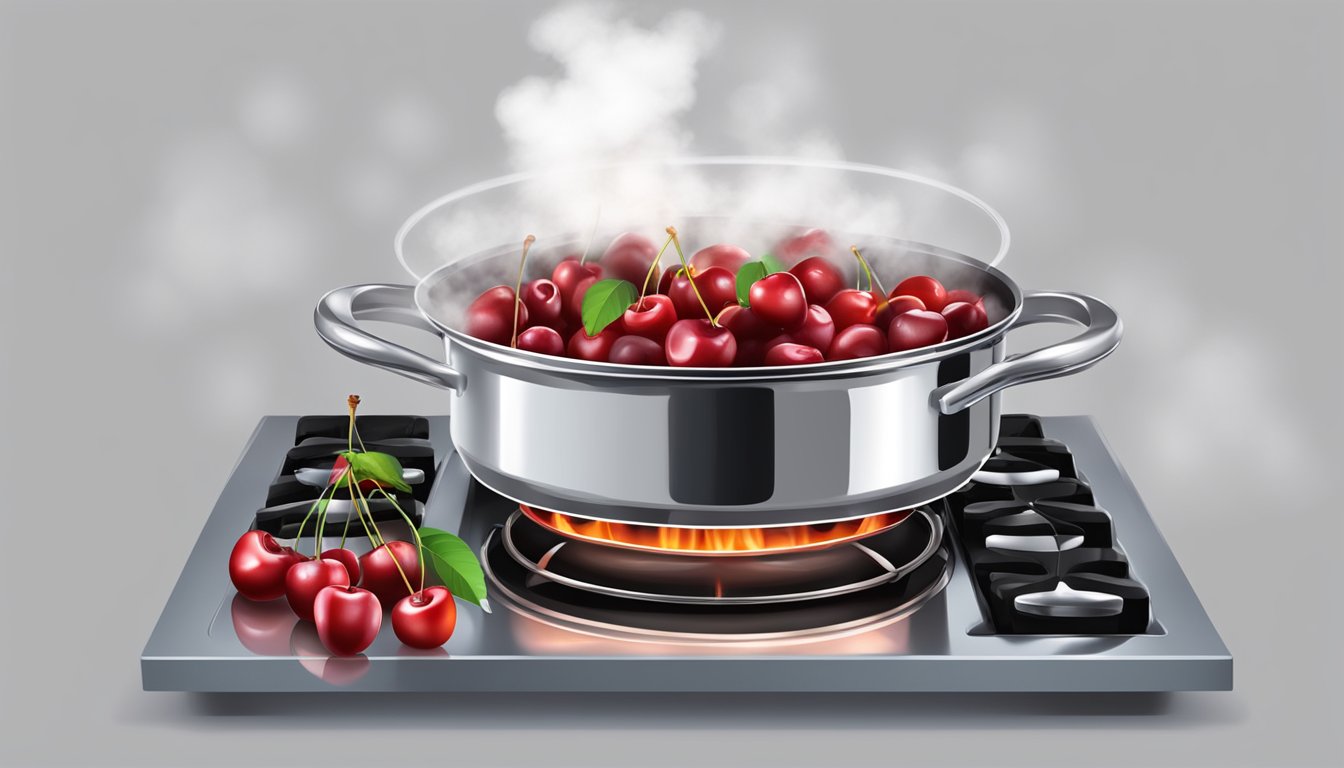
[(540, 338), (820, 278), (637, 350), (387, 578), (650, 317), (901, 304), (717, 286), (796, 249), (490, 316), (569, 272), (304, 580), (924, 288), (573, 311), (629, 257), (793, 354), (347, 558), (970, 297), (779, 300), (964, 319), (852, 307), (347, 618), (700, 344), (258, 565), (542, 298), (916, 328), (596, 348), (665, 282), (817, 330), (730, 257), (750, 353), (857, 341), (744, 323)]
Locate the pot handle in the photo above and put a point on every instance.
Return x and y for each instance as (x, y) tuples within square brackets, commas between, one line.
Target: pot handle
[(1099, 339), (338, 315)]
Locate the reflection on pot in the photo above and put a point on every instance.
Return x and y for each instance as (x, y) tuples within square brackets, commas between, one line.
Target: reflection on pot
[(263, 628), (333, 670)]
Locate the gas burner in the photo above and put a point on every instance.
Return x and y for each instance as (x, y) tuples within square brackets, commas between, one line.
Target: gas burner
[(808, 574), (718, 542), (317, 441), (1043, 555), (877, 592)]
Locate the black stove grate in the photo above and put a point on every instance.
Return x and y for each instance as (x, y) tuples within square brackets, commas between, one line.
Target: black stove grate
[(1028, 522), (317, 441)]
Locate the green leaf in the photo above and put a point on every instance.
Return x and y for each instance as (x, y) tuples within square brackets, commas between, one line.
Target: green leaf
[(381, 468), (746, 275), (455, 564), (772, 264), (605, 301)]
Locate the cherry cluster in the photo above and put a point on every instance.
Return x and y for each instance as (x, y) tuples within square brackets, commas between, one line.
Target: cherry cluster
[(796, 309), (343, 594)]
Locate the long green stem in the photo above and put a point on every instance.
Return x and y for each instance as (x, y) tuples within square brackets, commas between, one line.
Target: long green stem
[(390, 554), (644, 289), (873, 280), (518, 289), (689, 276), (419, 547), (304, 522)]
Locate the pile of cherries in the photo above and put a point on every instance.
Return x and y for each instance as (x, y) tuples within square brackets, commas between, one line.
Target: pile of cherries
[(322, 588), (696, 318)]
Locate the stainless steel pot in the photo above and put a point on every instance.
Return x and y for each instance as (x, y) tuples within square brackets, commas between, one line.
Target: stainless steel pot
[(722, 447)]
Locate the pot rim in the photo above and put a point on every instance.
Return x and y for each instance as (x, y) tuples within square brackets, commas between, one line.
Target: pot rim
[(824, 370)]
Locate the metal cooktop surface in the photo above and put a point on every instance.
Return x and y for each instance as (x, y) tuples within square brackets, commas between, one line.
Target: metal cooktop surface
[(1046, 573)]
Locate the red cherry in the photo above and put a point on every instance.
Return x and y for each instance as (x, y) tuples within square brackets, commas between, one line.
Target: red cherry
[(796, 249), (541, 339), (629, 257), (729, 257), (569, 272), (347, 558), (347, 618), (304, 580), (964, 319), (381, 576), (700, 344), (258, 565), (263, 628), (426, 619), (857, 341), (793, 354), (779, 300), (924, 288), (916, 328), (637, 350), (650, 317), (817, 330), (750, 353), (572, 312), (852, 307), (717, 285), (542, 298), (970, 297), (901, 304), (744, 323), (595, 348), (490, 316), (820, 278), (665, 282)]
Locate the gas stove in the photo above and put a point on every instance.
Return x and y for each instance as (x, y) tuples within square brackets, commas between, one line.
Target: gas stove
[(1044, 573)]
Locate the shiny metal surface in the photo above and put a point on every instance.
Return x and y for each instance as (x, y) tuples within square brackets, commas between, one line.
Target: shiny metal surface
[(208, 639), (1066, 601), (722, 447)]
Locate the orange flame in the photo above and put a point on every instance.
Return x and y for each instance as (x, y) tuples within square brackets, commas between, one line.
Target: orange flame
[(714, 540)]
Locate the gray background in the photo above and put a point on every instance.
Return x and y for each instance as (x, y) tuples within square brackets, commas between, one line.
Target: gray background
[(182, 181)]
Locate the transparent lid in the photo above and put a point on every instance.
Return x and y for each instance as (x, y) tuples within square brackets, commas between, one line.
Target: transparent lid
[(753, 202)]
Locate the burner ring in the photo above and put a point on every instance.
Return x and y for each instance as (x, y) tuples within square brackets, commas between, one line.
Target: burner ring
[(766, 579)]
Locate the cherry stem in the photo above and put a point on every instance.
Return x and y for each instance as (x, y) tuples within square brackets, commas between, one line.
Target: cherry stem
[(592, 233), (872, 279), (419, 546), (390, 554), (304, 522), (644, 289), (690, 276), (518, 289), (352, 402)]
